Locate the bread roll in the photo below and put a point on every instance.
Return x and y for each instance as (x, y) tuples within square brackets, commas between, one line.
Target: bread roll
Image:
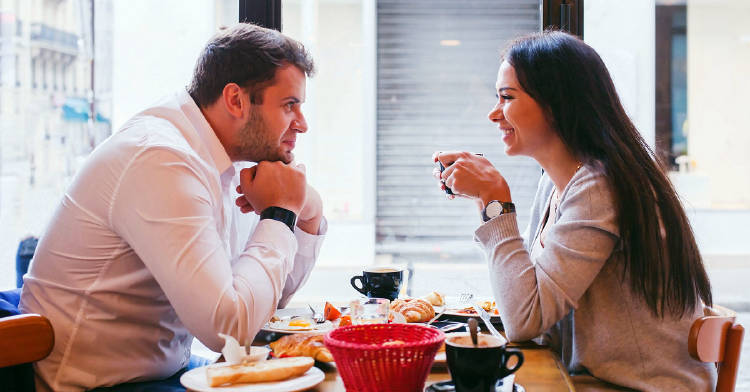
[(263, 371), (435, 298), (302, 345)]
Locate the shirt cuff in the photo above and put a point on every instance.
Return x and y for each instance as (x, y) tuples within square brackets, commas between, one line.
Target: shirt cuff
[(309, 244), (277, 235), (497, 229)]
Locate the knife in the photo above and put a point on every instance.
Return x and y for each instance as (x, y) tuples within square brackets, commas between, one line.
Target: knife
[(486, 318)]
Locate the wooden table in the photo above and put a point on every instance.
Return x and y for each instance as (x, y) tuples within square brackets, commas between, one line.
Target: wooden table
[(541, 371)]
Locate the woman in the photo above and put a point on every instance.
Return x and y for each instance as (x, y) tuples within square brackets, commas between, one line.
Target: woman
[(609, 274)]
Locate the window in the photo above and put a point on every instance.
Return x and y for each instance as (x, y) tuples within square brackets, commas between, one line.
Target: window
[(43, 143)]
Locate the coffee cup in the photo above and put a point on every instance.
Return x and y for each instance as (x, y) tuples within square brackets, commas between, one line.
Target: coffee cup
[(477, 368), (381, 282)]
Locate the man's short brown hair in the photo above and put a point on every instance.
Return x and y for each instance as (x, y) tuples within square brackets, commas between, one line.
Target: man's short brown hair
[(248, 55)]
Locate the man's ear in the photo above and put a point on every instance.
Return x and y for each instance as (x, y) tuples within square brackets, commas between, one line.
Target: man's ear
[(234, 100)]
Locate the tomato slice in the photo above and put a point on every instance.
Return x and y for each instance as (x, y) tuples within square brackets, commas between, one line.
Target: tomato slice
[(330, 312), (345, 320)]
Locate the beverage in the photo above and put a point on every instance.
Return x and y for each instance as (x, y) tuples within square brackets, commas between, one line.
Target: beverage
[(379, 282)]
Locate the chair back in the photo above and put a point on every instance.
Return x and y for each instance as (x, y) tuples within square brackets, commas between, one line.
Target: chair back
[(25, 338), (716, 338)]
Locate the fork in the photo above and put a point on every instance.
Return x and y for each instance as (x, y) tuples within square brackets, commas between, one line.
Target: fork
[(464, 298), (317, 317)]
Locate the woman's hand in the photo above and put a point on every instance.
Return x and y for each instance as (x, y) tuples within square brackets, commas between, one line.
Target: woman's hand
[(473, 176)]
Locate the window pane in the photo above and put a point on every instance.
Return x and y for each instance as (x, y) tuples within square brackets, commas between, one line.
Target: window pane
[(140, 51)]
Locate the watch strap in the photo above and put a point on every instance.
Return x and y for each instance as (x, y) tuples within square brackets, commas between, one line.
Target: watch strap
[(282, 215), (507, 207)]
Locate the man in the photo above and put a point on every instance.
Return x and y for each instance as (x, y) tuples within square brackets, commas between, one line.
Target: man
[(149, 247)]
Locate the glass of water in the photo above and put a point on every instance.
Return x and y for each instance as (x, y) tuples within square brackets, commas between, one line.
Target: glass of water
[(370, 310)]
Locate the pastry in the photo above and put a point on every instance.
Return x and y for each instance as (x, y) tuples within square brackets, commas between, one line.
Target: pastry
[(415, 310), (435, 298), (263, 371), (302, 345)]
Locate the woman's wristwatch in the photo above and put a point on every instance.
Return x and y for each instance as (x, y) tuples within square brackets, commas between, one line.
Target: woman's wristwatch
[(496, 208)]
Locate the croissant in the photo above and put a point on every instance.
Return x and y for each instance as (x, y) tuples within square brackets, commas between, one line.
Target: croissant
[(302, 345), (415, 310)]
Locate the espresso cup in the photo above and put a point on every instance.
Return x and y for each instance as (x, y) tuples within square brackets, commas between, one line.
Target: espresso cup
[(379, 282), (477, 369)]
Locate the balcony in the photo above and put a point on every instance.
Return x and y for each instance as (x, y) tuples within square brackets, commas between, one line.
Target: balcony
[(55, 38)]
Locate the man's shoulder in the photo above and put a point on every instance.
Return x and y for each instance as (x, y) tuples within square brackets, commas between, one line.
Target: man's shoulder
[(145, 131)]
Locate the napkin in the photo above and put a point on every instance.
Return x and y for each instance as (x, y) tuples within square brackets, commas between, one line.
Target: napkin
[(234, 353)]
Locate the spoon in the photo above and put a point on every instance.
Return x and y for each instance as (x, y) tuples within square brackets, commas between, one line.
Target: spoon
[(473, 330)]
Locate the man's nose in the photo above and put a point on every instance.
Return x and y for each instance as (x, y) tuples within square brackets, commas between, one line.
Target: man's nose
[(300, 123)]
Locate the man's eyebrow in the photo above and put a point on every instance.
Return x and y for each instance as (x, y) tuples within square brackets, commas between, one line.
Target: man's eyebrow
[(291, 97)]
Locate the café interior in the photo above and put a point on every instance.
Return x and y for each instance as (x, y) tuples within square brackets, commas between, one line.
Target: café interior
[(403, 293)]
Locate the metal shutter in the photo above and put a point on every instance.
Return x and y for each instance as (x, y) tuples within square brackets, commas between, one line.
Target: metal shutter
[(437, 65)]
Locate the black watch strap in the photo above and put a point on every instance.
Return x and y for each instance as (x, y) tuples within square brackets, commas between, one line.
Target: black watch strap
[(282, 215)]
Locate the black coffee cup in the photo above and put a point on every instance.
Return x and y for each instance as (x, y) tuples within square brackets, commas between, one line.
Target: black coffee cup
[(379, 282), (477, 369)]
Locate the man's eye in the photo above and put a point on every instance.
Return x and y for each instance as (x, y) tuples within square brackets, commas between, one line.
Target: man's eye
[(290, 105), (506, 97)]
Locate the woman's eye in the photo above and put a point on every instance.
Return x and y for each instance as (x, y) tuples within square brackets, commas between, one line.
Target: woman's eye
[(290, 105), (506, 97)]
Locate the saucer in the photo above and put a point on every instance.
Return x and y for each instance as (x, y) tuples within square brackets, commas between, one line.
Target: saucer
[(447, 386)]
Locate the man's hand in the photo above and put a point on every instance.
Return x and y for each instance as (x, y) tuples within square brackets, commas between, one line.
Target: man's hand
[(312, 211), (272, 184), (471, 176)]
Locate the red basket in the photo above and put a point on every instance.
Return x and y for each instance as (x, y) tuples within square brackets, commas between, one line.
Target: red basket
[(366, 365)]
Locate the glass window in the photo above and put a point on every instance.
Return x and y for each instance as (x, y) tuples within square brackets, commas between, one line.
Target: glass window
[(143, 50)]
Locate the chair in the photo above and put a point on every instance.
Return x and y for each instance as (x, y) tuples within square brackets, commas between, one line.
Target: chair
[(24, 338), (716, 337)]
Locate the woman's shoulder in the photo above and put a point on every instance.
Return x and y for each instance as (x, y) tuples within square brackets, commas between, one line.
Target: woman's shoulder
[(590, 179)]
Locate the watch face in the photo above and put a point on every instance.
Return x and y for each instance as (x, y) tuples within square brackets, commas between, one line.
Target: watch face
[(493, 209)]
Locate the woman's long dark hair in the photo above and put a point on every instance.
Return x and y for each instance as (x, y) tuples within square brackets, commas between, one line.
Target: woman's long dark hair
[(568, 79)]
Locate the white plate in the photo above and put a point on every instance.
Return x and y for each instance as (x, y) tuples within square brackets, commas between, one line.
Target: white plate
[(296, 312), (196, 380)]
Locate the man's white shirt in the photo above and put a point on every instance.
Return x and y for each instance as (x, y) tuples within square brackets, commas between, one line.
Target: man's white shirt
[(147, 249)]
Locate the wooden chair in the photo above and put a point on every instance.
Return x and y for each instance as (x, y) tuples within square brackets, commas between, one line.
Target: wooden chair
[(716, 338), (25, 338)]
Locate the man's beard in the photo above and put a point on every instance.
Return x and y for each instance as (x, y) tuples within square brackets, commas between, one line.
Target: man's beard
[(253, 142)]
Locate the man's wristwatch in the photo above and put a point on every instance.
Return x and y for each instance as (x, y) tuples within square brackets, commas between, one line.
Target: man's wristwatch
[(282, 215), (496, 208)]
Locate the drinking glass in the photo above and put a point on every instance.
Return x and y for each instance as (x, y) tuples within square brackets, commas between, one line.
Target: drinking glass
[(370, 310)]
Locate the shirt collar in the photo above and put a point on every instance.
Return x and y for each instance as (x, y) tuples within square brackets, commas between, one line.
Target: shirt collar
[(203, 128)]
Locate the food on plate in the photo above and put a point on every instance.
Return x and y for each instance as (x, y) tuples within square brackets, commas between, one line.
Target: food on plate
[(415, 310), (264, 371), (435, 298), (487, 305), (301, 346), (299, 324), (394, 343), (330, 312), (345, 320)]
